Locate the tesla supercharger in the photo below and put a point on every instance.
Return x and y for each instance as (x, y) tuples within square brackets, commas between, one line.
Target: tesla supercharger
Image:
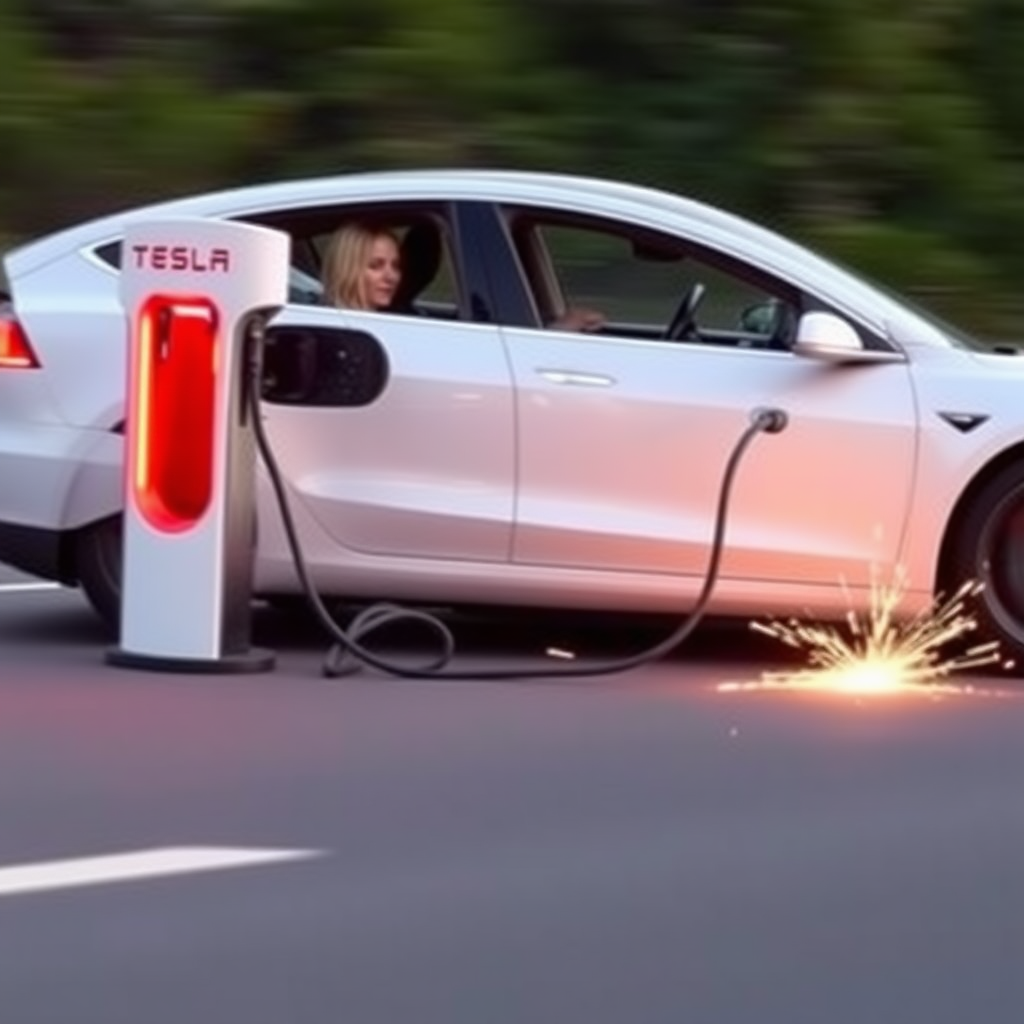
[(196, 294)]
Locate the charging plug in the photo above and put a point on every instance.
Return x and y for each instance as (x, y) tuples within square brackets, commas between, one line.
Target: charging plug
[(771, 421)]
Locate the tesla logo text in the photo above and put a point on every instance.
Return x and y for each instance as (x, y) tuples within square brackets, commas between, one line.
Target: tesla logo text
[(182, 257)]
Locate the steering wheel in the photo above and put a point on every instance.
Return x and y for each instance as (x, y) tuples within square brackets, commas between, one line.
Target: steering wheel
[(682, 324)]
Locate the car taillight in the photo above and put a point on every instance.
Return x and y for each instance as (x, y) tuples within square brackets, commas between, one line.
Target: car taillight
[(15, 351)]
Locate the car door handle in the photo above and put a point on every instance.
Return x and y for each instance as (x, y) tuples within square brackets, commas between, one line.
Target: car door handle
[(576, 377)]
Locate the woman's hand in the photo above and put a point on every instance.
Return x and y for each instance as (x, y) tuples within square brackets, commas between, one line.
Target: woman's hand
[(579, 320)]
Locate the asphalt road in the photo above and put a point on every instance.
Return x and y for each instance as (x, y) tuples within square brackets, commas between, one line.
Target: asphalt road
[(639, 848)]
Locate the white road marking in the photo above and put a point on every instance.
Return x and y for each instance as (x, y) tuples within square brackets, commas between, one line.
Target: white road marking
[(22, 588), (17, 879)]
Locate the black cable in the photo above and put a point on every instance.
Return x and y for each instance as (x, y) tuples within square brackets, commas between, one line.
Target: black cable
[(348, 654)]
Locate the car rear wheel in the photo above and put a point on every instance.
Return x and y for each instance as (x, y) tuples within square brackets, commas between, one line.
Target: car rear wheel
[(990, 549), (98, 560)]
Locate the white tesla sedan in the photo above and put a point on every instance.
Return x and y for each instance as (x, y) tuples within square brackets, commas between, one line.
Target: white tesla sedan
[(459, 449)]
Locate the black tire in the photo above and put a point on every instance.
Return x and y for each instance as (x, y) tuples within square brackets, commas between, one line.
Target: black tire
[(989, 548), (98, 562)]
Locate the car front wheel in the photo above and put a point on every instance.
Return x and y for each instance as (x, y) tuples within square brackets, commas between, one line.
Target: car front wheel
[(990, 550)]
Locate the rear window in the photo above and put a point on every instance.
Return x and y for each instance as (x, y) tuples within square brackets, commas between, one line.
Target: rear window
[(110, 253)]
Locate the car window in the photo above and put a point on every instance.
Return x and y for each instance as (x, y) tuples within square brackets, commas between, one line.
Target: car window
[(639, 280), (599, 269), (303, 288), (427, 259), (109, 253), (424, 229), (729, 303)]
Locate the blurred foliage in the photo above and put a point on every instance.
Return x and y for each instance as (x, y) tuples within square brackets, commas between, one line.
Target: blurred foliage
[(889, 135)]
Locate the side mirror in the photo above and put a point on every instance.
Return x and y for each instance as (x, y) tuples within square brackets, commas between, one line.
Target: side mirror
[(322, 366), (830, 338)]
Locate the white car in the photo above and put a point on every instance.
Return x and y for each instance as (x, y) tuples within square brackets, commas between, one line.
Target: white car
[(459, 450)]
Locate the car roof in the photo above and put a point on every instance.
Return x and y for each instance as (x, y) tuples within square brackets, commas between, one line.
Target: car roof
[(600, 196)]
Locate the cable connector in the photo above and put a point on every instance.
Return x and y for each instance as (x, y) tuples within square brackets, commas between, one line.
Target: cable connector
[(771, 421)]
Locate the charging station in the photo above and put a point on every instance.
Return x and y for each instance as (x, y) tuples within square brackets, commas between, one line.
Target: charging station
[(197, 294)]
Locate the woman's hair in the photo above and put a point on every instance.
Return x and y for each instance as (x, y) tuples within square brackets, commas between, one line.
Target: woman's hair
[(348, 253)]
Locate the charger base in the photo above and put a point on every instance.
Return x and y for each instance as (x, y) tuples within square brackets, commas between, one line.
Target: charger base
[(254, 660)]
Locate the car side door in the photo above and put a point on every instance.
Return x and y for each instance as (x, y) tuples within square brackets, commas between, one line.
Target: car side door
[(623, 435)]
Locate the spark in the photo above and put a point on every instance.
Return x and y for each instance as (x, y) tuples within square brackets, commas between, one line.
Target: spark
[(878, 652)]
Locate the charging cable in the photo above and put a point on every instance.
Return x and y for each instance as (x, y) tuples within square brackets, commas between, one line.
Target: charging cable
[(349, 654)]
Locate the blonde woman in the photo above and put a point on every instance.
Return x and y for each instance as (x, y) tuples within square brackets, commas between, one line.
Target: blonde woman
[(362, 268)]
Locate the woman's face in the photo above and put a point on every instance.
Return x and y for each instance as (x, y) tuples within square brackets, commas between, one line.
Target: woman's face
[(382, 273)]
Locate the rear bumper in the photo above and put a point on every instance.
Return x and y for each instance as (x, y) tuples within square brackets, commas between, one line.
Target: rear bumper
[(35, 550)]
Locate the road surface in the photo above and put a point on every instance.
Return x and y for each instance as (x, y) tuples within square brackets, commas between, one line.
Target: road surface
[(639, 848)]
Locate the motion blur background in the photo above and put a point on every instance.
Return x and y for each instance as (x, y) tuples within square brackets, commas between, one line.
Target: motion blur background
[(890, 135)]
